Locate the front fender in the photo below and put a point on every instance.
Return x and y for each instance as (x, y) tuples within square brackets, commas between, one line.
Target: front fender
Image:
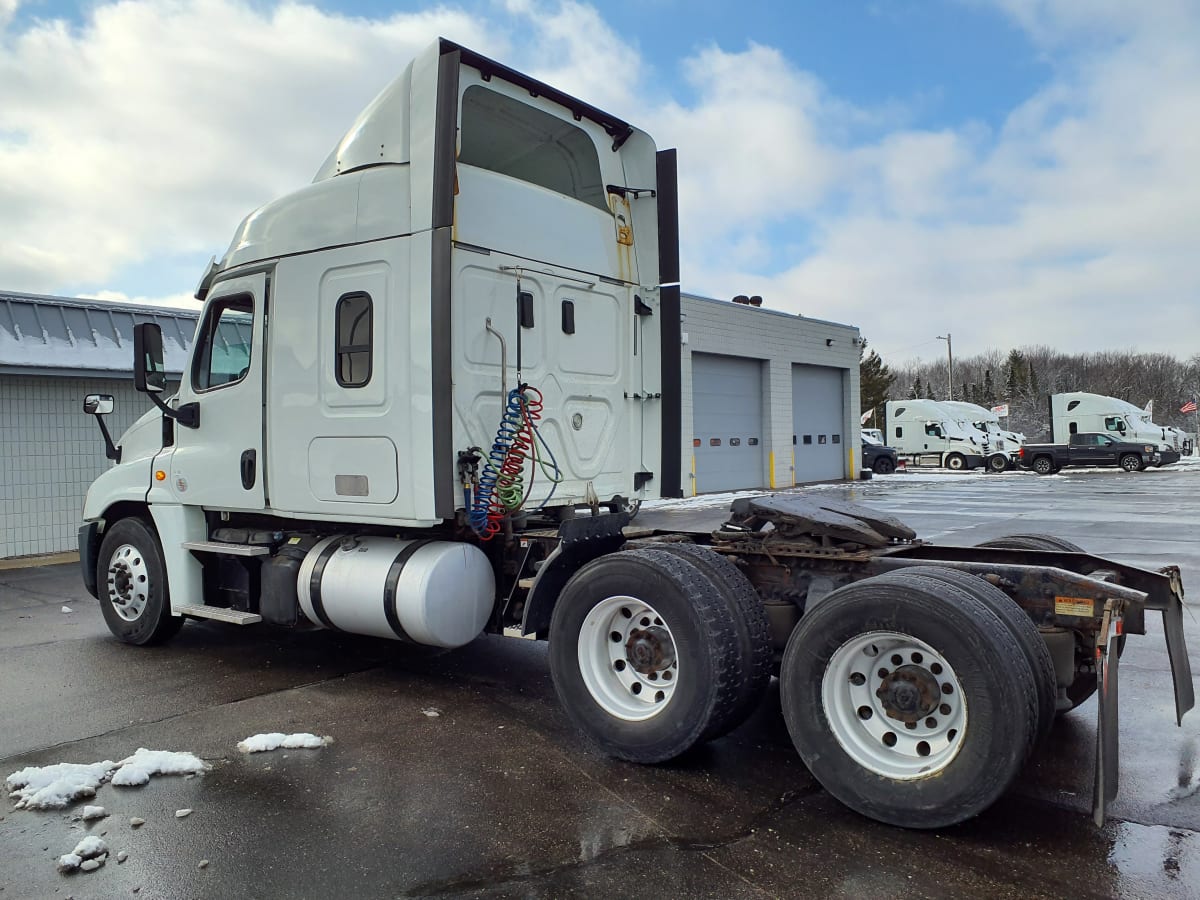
[(128, 481)]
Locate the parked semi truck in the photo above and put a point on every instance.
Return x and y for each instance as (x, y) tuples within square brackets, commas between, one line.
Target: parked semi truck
[(1079, 412), (1003, 446), (927, 433), (426, 391)]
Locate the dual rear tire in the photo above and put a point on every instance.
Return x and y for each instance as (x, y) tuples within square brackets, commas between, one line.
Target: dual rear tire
[(911, 698), (656, 650)]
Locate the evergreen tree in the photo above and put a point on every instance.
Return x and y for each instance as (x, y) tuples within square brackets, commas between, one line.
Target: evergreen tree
[(989, 389), (917, 390), (875, 381), (1015, 375), (1033, 381)]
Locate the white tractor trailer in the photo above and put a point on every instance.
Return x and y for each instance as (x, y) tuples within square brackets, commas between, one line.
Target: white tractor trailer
[(426, 392)]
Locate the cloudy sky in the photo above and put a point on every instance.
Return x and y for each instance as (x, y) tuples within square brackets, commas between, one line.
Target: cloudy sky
[(1012, 171)]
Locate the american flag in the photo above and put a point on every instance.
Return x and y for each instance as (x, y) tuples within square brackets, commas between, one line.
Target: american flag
[(1188, 407)]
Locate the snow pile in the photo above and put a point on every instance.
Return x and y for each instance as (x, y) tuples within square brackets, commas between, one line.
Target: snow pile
[(94, 812), (60, 785), (260, 743), (57, 786), (143, 765), (89, 854)]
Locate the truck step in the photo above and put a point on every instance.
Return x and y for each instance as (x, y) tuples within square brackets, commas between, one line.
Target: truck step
[(221, 614), (229, 549)]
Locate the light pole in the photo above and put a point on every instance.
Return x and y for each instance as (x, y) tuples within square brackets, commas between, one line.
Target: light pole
[(950, 366)]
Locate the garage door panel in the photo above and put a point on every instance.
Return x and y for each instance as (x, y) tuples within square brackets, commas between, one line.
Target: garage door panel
[(727, 422), (818, 423)]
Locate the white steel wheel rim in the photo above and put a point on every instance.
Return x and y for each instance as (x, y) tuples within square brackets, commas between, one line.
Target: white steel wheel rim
[(864, 689), (128, 582), (628, 658)]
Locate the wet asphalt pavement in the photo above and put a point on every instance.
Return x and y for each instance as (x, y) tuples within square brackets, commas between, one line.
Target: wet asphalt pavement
[(496, 794)]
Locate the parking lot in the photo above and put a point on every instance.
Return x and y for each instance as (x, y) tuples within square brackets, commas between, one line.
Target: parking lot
[(458, 775)]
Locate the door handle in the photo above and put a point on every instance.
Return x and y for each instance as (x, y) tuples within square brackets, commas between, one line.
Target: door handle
[(248, 468)]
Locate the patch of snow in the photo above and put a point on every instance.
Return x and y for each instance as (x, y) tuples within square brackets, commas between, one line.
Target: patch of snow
[(56, 786), (143, 765), (94, 812), (431, 712), (260, 743), (90, 846), (122, 856), (135, 822), (182, 813), (68, 862), (67, 609), (203, 864), (91, 865)]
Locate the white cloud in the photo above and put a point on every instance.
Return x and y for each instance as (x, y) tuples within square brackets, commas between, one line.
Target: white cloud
[(152, 128), (157, 124)]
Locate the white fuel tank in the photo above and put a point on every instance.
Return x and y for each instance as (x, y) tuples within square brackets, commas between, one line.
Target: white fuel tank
[(438, 593)]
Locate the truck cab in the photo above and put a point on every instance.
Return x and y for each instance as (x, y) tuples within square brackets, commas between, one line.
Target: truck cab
[(1080, 412), (929, 434)]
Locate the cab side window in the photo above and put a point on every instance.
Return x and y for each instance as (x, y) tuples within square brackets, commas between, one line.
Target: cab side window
[(224, 343)]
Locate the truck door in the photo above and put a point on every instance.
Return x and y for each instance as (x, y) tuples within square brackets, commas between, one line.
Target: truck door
[(219, 464)]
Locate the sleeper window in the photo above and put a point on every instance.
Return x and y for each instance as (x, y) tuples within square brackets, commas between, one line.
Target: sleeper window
[(353, 334)]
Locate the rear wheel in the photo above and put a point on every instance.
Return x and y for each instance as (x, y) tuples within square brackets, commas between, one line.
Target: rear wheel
[(131, 579), (884, 466), (644, 655), (1033, 647), (956, 462), (908, 707), (998, 462), (756, 654), (1131, 462), (1043, 465), (1032, 542)]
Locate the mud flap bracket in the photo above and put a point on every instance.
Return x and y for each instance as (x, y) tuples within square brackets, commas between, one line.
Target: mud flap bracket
[(1108, 735)]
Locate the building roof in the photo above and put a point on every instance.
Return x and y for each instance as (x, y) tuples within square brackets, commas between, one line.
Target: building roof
[(62, 336), (766, 311)]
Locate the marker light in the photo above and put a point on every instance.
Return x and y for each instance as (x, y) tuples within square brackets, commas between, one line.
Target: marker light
[(160, 475)]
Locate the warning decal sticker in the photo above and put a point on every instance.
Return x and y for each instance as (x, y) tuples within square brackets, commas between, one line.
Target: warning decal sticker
[(1073, 606)]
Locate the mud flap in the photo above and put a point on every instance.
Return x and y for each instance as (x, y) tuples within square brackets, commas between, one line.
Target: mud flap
[(1108, 736), (1181, 668)]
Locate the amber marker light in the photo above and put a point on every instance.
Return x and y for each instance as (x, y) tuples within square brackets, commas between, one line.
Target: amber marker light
[(160, 475)]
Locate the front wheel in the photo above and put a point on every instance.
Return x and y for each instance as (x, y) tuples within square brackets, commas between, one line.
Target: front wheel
[(884, 466), (909, 706), (644, 655), (1131, 462), (956, 462), (132, 581)]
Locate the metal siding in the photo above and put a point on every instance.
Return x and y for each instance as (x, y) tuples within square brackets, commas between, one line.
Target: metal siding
[(727, 406), (50, 452), (817, 412)]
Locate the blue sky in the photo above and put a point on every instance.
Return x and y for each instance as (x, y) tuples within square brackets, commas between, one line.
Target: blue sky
[(1016, 171)]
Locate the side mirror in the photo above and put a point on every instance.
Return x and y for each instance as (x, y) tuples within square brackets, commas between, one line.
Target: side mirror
[(149, 374), (98, 404)]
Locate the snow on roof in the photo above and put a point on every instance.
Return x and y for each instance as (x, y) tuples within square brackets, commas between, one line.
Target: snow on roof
[(65, 336)]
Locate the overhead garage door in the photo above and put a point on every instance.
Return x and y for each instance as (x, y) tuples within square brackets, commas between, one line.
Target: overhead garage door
[(817, 423), (727, 422)]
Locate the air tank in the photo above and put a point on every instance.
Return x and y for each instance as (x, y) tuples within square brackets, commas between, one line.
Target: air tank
[(438, 593)]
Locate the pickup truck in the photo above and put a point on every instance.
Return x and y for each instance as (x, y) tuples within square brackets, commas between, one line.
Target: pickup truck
[(1088, 450)]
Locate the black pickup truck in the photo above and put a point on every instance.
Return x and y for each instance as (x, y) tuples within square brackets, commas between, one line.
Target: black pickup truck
[(1088, 450)]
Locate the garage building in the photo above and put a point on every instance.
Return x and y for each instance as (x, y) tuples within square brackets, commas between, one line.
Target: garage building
[(53, 352), (768, 400)]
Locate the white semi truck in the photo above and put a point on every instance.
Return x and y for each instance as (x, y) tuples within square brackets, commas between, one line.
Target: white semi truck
[(1003, 446), (1079, 412), (425, 391), (928, 433)]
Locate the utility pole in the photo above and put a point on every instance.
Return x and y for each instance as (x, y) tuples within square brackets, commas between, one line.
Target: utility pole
[(949, 366)]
